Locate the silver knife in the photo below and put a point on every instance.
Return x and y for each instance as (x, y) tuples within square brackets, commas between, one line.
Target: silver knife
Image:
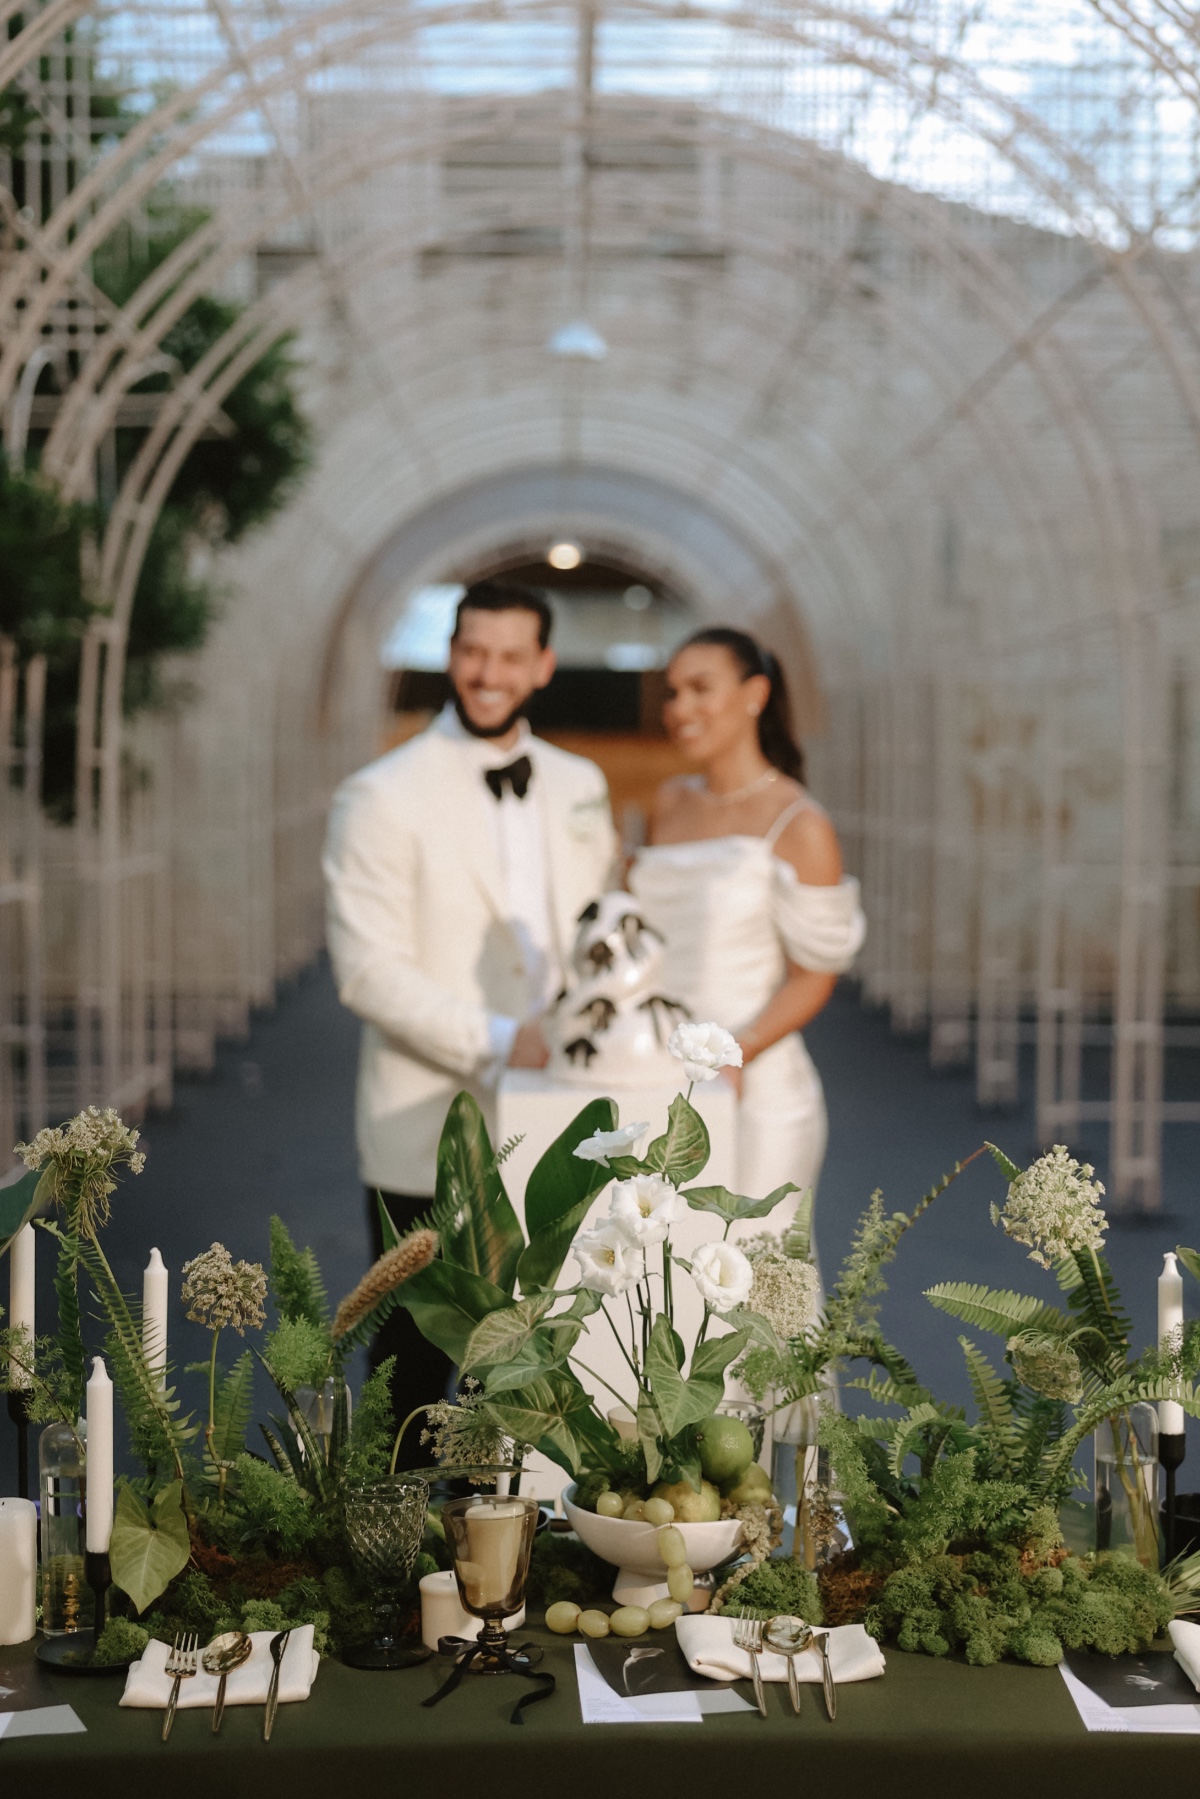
[(278, 1645), (827, 1676)]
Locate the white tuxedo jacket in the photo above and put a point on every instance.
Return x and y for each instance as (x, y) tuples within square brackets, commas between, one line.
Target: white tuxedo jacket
[(421, 948)]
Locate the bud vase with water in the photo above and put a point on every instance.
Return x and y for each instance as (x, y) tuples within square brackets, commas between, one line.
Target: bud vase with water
[(1127, 1484), (66, 1596)]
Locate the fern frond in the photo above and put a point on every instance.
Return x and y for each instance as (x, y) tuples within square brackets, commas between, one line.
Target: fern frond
[(1096, 1303), (997, 1419), (506, 1149), (996, 1309), (233, 1410), (296, 1284), (797, 1238), (70, 1326)]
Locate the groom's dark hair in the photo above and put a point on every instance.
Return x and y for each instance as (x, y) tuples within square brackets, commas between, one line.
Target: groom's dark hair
[(507, 596)]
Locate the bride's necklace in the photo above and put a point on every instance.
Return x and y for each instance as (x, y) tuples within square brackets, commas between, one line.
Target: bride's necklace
[(740, 793)]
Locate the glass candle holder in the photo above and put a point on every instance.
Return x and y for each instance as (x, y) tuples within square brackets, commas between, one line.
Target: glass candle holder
[(490, 1539)]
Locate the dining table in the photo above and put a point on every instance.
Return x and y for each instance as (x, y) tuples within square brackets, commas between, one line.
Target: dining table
[(927, 1729)]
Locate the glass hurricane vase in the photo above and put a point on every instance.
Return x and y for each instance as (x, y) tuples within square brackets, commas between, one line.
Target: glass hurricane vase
[(384, 1523), (1126, 1448), (490, 1538)]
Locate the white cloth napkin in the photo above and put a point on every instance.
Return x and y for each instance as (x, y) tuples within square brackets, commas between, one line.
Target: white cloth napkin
[(147, 1683), (708, 1645), (1186, 1638)]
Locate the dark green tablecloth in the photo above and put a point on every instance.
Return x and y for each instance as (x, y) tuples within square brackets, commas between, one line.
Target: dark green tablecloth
[(927, 1730)]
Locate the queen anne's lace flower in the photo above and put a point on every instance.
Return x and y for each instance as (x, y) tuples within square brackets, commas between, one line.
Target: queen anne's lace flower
[(1054, 1208), (785, 1294), (644, 1209), (704, 1049), (603, 1144), (219, 1291), (79, 1158), (610, 1263), (723, 1275), (1047, 1364)]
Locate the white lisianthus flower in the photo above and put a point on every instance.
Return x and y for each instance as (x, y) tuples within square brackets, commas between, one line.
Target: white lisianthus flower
[(610, 1263), (603, 1144), (644, 1208), (704, 1049), (1054, 1208), (723, 1275)]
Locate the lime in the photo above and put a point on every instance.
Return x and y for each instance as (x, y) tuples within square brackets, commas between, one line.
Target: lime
[(726, 1447)]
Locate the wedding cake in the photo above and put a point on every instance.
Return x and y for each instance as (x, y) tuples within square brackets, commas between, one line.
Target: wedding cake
[(611, 1022)]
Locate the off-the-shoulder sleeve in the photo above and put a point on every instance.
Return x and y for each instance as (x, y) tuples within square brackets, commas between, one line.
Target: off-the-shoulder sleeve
[(822, 928)]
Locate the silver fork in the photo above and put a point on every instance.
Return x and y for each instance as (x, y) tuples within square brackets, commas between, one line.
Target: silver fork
[(748, 1635), (182, 1662)]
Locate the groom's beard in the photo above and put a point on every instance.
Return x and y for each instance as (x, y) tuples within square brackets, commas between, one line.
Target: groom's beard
[(500, 730)]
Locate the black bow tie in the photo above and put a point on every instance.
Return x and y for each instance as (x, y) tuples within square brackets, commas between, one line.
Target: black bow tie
[(517, 775)]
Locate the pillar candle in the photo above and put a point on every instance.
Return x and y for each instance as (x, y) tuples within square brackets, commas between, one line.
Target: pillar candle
[(442, 1613), (22, 1267), (154, 1312), (1170, 1329), (99, 1459), (18, 1569), (495, 1544)]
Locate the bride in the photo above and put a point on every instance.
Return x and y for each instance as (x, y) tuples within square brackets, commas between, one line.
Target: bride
[(743, 878)]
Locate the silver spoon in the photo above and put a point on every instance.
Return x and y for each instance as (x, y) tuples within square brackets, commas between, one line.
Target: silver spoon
[(223, 1655), (791, 1637)]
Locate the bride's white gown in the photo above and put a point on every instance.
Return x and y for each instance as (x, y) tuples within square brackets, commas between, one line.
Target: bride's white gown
[(733, 915)]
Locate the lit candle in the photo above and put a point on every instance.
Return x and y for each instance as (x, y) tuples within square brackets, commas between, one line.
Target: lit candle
[(1170, 1332), (18, 1569), (491, 1569), (22, 1268), (154, 1313), (99, 1459)]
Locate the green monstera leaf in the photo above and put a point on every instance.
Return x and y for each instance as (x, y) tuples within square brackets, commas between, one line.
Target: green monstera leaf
[(447, 1302), (732, 1206), (559, 1195), (148, 1547), (553, 1413), (683, 1149)]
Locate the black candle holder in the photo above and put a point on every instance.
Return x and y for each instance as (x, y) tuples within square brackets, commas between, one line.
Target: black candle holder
[(18, 1411), (1172, 1448), (98, 1570)]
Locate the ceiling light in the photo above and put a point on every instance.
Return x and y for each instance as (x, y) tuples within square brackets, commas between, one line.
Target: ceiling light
[(564, 555), (579, 342)]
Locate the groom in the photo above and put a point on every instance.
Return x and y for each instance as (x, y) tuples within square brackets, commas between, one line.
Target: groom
[(456, 867)]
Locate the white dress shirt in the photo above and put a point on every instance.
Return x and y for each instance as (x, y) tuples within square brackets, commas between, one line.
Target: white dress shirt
[(516, 826)]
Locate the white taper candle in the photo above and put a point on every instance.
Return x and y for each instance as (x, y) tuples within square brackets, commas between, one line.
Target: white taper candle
[(22, 1271), (1170, 1329), (154, 1311), (99, 1459)]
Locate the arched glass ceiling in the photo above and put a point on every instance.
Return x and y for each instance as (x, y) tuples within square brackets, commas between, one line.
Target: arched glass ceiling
[(970, 102)]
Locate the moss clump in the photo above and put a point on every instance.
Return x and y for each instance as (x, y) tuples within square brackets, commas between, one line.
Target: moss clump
[(121, 1641), (562, 1567), (985, 1605), (779, 1584)]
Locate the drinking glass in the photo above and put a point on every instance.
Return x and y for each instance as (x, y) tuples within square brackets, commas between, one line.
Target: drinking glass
[(490, 1537), (384, 1522)]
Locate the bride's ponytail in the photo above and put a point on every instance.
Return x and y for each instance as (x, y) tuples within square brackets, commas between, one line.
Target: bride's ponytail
[(775, 738)]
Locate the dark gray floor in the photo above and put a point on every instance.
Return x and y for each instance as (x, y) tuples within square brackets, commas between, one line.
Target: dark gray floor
[(272, 1131)]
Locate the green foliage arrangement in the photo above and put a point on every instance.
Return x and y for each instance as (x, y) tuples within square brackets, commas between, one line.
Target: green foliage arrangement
[(958, 1519), (229, 482)]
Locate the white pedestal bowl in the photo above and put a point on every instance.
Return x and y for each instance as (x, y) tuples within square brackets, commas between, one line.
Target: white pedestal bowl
[(632, 1548)]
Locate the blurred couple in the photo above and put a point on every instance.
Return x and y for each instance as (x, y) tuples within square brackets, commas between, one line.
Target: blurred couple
[(457, 865)]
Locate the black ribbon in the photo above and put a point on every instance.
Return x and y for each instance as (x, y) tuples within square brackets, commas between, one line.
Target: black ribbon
[(465, 1653), (516, 775)]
